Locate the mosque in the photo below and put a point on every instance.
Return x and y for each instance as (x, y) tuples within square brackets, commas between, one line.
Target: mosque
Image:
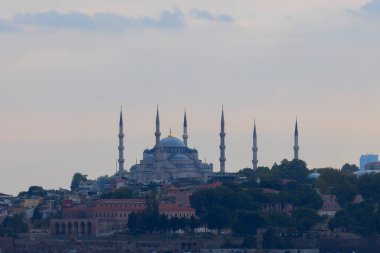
[(171, 159)]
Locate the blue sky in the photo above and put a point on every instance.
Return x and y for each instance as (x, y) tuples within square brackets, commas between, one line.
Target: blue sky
[(67, 67)]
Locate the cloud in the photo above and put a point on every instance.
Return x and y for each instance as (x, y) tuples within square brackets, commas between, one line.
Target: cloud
[(6, 26), (205, 15), (103, 21), (369, 10), (100, 21), (372, 7)]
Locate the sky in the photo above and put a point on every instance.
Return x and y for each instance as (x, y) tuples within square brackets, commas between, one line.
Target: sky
[(68, 66)]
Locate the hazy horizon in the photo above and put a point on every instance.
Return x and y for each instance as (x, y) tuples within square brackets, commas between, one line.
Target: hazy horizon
[(68, 67)]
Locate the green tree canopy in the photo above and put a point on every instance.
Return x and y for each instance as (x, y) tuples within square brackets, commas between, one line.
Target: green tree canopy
[(295, 169), (77, 178), (11, 226), (248, 222), (122, 193), (349, 168), (305, 218)]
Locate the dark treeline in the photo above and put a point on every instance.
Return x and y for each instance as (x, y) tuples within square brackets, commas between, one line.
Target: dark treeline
[(260, 201), (361, 218), (13, 225), (244, 207)]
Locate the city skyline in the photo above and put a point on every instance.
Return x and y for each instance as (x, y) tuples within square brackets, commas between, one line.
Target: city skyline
[(67, 69)]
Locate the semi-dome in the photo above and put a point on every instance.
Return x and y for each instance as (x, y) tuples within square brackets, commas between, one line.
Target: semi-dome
[(171, 142), (179, 157)]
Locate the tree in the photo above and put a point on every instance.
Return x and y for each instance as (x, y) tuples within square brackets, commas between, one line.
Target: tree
[(133, 221), (332, 181), (37, 215), (295, 169), (263, 172), (301, 196), (272, 240), (12, 226), (248, 173), (249, 242), (36, 191), (349, 168), (345, 193), (217, 217), (368, 186), (248, 222), (122, 193), (305, 218), (77, 178)]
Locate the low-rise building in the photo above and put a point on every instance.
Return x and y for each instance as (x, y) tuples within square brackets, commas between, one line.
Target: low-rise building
[(31, 202), (330, 205), (106, 216)]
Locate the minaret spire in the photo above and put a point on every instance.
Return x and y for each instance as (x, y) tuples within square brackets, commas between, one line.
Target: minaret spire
[(157, 146), (185, 136), (254, 148), (121, 145), (296, 147), (157, 133), (222, 146)]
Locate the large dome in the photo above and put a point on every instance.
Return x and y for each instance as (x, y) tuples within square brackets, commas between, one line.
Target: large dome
[(171, 142)]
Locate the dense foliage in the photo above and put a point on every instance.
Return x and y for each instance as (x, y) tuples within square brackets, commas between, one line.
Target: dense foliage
[(11, 226), (77, 178), (122, 193), (280, 197), (362, 218), (33, 191)]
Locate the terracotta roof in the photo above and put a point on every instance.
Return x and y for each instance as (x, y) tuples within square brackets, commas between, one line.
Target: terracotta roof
[(330, 203), (173, 188), (119, 201), (174, 208), (268, 190), (210, 186)]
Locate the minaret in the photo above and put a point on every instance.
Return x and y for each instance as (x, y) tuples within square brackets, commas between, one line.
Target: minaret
[(157, 146), (296, 147), (254, 149), (222, 146), (185, 136), (157, 133), (121, 145)]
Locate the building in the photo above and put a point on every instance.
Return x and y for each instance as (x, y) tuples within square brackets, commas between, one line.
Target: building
[(372, 166), (330, 205), (366, 159), (171, 159), (107, 216), (88, 188), (31, 202)]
